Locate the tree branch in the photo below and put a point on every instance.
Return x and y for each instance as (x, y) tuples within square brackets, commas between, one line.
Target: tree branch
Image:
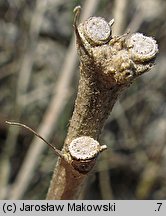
[(108, 65)]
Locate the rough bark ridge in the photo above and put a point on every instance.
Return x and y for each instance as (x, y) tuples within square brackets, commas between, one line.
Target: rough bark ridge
[(108, 65)]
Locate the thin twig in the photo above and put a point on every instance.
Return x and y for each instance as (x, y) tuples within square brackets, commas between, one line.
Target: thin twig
[(56, 151)]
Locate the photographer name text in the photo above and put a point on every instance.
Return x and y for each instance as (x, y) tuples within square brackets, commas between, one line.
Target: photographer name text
[(70, 207)]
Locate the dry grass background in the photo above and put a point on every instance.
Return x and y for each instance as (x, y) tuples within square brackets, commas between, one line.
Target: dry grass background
[(38, 84)]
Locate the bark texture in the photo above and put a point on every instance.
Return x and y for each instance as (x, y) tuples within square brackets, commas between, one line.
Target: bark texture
[(108, 65)]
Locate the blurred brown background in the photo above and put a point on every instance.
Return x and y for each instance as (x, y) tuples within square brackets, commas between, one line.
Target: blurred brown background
[(38, 83)]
